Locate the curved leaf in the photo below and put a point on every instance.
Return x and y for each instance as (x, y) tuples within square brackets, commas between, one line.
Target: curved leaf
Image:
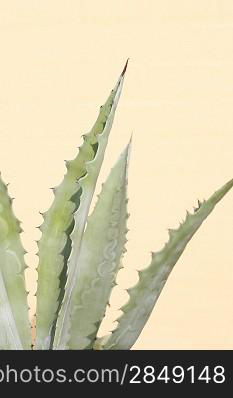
[(144, 295)]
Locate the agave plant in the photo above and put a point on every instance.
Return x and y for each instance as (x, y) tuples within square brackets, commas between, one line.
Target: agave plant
[(80, 255)]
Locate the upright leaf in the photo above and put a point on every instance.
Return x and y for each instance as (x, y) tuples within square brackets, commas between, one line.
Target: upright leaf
[(15, 331), (87, 183), (144, 295), (99, 260), (71, 195)]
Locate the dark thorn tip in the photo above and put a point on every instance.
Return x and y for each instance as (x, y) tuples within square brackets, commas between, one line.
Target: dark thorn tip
[(125, 67)]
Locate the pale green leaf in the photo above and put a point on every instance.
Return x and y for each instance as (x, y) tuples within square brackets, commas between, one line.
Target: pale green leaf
[(99, 261), (87, 183), (71, 195), (15, 330), (144, 295)]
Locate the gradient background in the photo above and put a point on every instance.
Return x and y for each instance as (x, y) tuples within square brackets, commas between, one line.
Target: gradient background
[(59, 60)]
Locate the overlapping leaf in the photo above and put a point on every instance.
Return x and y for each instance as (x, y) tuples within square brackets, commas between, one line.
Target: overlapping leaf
[(74, 194), (144, 295), (99, 260)]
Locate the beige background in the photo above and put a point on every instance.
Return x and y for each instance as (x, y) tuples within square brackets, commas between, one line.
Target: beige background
[(59, 59)]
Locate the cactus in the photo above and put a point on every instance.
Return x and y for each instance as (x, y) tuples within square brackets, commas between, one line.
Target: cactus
[(80, 255)]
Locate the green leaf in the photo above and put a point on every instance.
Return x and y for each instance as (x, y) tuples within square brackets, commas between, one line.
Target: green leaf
[(74, 194), (15, 330), (88, 183), (144, 295), (99, 260)]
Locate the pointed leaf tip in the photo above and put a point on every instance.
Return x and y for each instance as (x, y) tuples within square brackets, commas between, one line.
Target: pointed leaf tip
[(125, 156), (125, 68), (220, 193), (128, 147)]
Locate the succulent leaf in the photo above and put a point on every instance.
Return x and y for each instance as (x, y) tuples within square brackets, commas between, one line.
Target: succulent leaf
[(74, 194), (143, 296), (15, 330), (99, 260), (87, 183)]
